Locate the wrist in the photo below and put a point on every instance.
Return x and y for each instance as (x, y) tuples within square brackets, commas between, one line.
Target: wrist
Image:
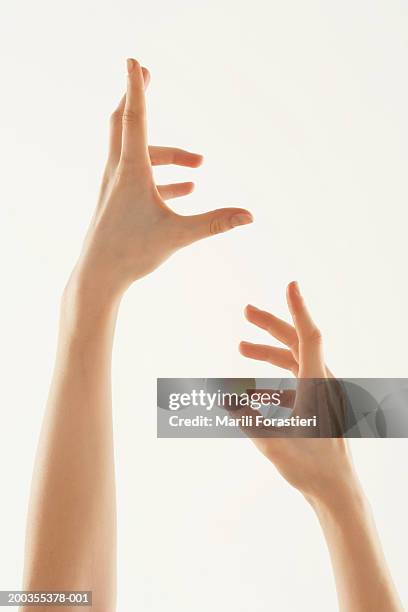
[(87, 302), (90, 287), (345, 498)]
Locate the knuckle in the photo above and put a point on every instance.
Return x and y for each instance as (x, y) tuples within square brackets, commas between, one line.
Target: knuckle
[(216, 226), (116, 117), (130, 116), (314, 336), (176, 154)]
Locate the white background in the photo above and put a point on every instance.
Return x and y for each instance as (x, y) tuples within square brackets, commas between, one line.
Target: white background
[(300, 109)]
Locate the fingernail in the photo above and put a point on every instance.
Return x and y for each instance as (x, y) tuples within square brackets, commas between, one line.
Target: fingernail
[(130, 65), (241, 219)]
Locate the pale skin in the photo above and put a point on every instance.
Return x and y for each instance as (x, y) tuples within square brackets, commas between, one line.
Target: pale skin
[(322, 469), (71, 532)]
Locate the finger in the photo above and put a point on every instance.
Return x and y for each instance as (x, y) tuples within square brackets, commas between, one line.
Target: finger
[(160, 156), (175, 190), (272, 354), (115, 134), (134, 141), (311, 362), (279, 329), (196, 227), (115, 139)]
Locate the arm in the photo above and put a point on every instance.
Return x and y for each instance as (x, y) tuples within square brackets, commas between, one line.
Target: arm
[(363, 580), (322, 469), (71, 535), (71, 531)]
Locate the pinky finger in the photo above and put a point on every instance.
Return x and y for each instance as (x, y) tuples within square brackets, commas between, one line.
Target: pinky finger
[(175, 190), (271, 354)]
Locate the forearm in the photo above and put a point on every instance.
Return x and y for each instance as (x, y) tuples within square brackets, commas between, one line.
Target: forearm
[(71, 534), (362, 577)]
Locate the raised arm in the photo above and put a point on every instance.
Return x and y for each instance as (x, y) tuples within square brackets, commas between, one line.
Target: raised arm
[(71, 531), (322, 468)]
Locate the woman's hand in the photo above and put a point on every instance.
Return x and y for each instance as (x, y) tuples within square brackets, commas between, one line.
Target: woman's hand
[(133, 230), (321, 468), (318, 467)]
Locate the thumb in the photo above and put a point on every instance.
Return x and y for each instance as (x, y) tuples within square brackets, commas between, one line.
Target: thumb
[(215, 222)]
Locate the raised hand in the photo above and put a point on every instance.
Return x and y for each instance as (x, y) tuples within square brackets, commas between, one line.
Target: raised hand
[(133, 230), (314, 466), (321, 468)]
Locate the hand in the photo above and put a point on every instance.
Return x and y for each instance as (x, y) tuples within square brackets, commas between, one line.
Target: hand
[(318, 467), (133, 230)]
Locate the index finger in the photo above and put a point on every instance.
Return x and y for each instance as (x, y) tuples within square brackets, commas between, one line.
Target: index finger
[(134, 139), (279, 329)]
